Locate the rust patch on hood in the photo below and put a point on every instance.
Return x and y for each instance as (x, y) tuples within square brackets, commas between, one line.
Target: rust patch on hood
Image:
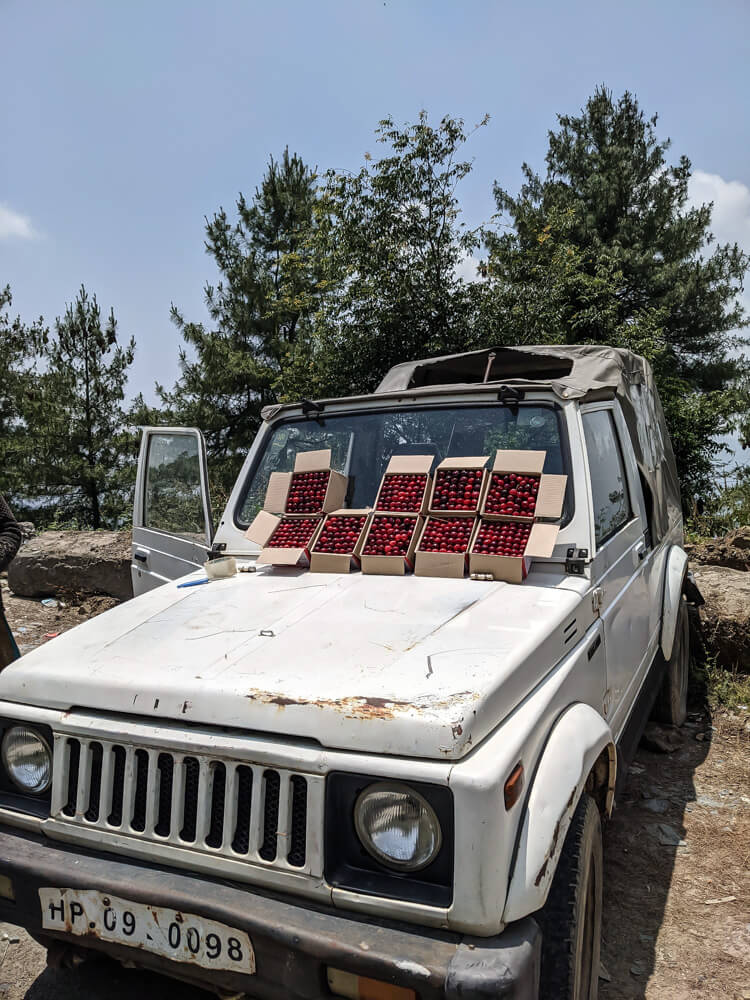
[(364, 707), (352, 708)]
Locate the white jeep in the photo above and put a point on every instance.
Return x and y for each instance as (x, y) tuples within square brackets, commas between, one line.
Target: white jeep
[(297, 785)]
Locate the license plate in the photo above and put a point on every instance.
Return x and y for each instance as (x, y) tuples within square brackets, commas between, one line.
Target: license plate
[(181, 937)]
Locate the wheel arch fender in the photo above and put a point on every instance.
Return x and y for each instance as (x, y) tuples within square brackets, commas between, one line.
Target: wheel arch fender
[(674, 582), (579, 752)]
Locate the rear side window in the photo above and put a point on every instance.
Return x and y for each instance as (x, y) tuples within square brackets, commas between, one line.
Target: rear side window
[(609, 487)]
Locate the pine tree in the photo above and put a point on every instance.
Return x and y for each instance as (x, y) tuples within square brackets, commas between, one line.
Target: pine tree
[(20, 349), (392, 242), (606, 249), (260, 312), (79, 436)]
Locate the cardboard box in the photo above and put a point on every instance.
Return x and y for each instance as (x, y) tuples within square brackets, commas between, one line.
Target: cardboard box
[(450, 564), (406, 465), (261, 532), (549, 500), (339, 562), (280, 484), (449, 465), (514, 569), (391, 565), (542, 537)]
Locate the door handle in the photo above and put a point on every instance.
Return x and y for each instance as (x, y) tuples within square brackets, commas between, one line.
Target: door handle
[(593, 647), (641, 551), (141, 557)]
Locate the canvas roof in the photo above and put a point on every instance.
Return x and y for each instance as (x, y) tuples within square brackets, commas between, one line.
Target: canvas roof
[(583, 372)]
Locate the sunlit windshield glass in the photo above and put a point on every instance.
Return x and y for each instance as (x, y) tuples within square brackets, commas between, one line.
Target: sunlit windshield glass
[(362, 443)]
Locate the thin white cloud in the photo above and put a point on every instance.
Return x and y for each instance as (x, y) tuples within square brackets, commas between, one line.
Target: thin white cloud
[(730, 219), (13, 225), (730, 223), (466, 269)]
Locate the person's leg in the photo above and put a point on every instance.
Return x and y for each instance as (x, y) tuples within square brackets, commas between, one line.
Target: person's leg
[(8, 647)]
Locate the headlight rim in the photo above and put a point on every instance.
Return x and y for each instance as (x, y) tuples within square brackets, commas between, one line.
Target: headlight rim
[(392, 864), (23, 789)]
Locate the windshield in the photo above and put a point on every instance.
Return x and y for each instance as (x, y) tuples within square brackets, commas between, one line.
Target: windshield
[(362, 442)]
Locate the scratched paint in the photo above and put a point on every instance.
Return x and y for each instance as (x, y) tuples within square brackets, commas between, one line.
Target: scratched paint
[(418, 667)]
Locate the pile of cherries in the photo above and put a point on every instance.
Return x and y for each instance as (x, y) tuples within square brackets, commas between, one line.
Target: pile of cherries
[(340, 534), (307, 492), (457, 489), (293, 533), (512, 494), (449, 534), (389, 536), (402, 491), (502, 538)]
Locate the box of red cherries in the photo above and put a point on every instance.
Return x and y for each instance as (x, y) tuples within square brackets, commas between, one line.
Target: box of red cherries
[(312, 488), (339, 542), (457, 486), (389, 543), (443, 546), (516, 500), (284, 540), (293, 509), (404, 488)]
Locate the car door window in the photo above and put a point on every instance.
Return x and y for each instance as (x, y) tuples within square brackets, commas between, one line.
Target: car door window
[(173, 500), (609, 486)]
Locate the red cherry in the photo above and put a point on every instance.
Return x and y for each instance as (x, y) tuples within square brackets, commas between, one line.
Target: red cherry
[(402, 492), (307, 492)]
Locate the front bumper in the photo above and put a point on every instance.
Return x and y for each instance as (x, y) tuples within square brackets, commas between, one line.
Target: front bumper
[(295, 941)]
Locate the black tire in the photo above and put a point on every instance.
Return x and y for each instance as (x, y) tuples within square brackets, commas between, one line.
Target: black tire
[(571, 919), (670, 706)]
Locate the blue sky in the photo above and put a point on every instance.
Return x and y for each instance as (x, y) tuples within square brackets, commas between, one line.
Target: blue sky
[(124, 124)]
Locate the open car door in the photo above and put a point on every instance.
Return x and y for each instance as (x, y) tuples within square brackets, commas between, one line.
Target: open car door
[(172, 522)]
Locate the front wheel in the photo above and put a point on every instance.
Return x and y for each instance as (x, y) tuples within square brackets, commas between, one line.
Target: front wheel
[(671, 702), (571, 919)]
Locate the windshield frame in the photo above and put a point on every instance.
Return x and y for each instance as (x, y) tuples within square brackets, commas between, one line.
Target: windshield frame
[(378, 406)]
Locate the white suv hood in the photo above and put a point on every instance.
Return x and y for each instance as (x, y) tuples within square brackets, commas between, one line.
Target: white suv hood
[(397, 665)]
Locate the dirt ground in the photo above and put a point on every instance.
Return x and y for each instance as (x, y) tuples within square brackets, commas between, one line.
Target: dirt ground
[(677, 870), (34, 623)]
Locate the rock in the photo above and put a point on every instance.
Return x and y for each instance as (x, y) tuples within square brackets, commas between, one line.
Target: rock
[(666, 835), (28, 531), (73, 562), (725, 617), (732, 551), (656, 805), (603, 974), (661, 739)]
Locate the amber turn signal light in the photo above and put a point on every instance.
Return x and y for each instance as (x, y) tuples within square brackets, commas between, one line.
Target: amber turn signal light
[(346, 984), (514, 786)]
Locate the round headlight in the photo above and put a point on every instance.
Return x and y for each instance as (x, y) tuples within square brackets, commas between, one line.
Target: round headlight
[(27, 759), (397, 826)]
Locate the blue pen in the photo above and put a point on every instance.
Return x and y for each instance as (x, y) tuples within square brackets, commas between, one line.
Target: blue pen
[(192, 583)]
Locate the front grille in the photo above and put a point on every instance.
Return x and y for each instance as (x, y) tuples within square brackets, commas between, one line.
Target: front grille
[(244, 811)]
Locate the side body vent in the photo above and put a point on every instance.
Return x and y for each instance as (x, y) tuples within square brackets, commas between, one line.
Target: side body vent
[(570, 632)]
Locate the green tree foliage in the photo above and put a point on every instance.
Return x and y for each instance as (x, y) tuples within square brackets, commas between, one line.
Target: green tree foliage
[(606, 249), (391, 242), (727, 507), (77, 463), (20, 346), (260, 313)]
